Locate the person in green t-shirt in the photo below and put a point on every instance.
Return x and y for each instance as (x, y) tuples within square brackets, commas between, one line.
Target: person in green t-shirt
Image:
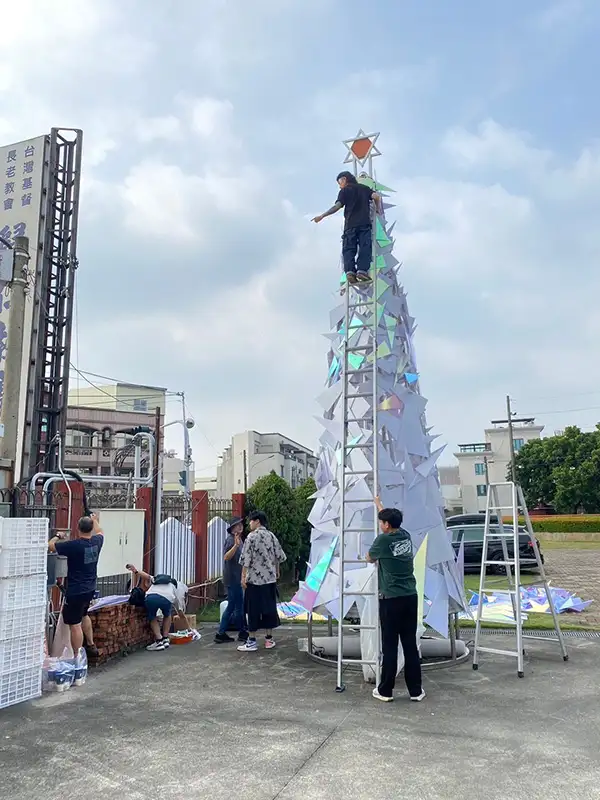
[(398, 605)]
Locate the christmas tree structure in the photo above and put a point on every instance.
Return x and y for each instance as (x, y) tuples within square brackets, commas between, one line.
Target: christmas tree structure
[(407, 476)]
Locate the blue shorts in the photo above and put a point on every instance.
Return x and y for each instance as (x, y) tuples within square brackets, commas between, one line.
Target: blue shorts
[(154, 602)]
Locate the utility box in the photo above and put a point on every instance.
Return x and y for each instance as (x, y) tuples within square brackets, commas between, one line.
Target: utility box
[(123, 540)]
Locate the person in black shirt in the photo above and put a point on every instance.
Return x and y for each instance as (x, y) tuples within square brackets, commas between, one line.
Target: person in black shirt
[(355, 198), (82, 576), (232, 580)]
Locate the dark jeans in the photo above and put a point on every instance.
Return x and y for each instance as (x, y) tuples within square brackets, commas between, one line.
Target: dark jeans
[(359, 240), (235, 609), (398, 616)]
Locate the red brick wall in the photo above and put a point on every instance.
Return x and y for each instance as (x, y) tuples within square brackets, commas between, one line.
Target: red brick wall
[(118, 630)]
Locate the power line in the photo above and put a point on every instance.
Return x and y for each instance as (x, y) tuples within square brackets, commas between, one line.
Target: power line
[(563, 411), (116, 380), (103, 391)]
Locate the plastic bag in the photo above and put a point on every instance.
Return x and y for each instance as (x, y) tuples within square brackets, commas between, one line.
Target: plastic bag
[(58, 674), (61, 644), (80, 666)]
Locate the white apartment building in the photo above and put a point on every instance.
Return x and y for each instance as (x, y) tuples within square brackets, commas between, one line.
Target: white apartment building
[(482, 463), (206, 484), (172, 477), (451, 489), (252, 455)]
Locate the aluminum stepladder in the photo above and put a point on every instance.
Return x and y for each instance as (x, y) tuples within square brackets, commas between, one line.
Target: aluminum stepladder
[(360, 300), (510, 534)]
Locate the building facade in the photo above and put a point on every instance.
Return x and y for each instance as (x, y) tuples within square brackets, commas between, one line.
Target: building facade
[(101, 422), (482, 463), (451, 489), (252, 455)]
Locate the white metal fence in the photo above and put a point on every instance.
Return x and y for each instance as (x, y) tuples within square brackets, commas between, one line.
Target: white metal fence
[(176, 551), (217, 533)]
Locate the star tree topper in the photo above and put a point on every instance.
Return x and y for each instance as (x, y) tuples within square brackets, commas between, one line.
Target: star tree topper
[(362, 147)]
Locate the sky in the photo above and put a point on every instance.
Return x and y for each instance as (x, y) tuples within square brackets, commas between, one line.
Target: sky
[(213, 133)]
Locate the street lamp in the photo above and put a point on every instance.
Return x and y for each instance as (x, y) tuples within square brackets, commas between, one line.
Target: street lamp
[(188, 423)]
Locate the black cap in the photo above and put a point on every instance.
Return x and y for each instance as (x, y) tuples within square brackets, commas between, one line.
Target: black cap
[(233, 522)]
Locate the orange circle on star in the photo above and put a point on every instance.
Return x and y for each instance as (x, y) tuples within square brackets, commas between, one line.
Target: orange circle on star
[(361, 148)]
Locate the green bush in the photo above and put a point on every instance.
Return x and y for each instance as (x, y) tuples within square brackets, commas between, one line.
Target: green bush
[(582, 524), (567, 523)]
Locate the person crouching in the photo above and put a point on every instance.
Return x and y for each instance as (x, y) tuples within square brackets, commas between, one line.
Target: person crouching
[(161, 595)]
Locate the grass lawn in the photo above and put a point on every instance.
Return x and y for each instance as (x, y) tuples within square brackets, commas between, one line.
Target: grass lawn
[(540, 622), (556, 545)]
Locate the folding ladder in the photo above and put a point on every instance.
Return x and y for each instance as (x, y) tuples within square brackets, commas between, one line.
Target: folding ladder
[(508, 562), (359, 381)]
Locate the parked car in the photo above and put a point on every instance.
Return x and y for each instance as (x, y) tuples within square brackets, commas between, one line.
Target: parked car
[(468, 519), (472, 535)]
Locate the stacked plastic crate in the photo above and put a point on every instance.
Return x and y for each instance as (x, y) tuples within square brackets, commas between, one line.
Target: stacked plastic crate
[(23, 602)]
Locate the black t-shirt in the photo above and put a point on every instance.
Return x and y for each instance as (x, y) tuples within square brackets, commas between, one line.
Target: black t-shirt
[(82, 563), (232, 569), (356, 200)]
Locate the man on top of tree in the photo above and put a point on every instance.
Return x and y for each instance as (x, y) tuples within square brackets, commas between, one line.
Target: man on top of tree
[(355, 198)]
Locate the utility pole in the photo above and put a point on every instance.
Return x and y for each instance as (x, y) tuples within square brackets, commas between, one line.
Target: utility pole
[(245, 473), (156, 490), (513, 461), (9, 416), (186, 447)]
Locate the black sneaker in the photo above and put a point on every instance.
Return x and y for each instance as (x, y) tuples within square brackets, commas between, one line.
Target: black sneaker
[(222, 638), (351, 278)]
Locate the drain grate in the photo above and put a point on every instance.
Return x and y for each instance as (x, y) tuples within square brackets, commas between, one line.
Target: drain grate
[(465, 632)]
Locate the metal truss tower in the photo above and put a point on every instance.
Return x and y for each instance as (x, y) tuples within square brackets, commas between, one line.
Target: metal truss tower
[(50, 355)]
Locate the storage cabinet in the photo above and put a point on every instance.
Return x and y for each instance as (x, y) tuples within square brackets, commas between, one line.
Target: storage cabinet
[(123, 540)]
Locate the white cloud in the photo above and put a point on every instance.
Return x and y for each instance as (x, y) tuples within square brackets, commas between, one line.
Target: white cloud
[(495, 146), (150, 129), (159, 197)]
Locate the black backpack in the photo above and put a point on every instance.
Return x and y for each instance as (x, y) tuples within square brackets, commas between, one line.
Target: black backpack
[(164, 580), (137, 597)]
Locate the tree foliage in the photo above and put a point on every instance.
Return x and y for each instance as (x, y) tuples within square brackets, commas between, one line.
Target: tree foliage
[(562, 471), (272, 495), (303, 508)]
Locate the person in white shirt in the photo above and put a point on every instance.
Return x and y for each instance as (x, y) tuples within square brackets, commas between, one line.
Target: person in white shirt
[(163, 594)]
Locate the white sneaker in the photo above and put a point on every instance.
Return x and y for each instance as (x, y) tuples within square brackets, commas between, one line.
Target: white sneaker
[(270, 644), (166, 641), (419, 697), (381, 697), (250, 646), (156, 646)]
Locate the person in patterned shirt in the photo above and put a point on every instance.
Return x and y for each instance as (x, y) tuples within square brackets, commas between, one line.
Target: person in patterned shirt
[(260, 560)]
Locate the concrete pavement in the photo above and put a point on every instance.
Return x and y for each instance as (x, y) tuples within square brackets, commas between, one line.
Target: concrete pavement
[(205, 721)]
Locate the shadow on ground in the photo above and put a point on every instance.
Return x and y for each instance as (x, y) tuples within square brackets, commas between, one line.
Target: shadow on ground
[(206, 721)]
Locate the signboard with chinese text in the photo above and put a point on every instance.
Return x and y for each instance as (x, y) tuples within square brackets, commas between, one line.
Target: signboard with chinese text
[(23, 178), (6, 265)]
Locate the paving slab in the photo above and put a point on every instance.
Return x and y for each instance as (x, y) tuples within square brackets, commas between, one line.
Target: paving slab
[(206, 721)]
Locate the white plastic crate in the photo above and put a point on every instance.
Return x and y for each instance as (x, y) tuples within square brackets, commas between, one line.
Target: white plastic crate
[(15, 561), (27, 592), (21, 622), (24, 532), (22, 653), (17, 687)]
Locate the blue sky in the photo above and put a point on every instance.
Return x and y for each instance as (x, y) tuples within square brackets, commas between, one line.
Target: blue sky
[(213, 133)]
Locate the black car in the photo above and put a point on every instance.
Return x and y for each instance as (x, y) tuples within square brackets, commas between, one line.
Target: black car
[(472, 535), (469, 519)]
